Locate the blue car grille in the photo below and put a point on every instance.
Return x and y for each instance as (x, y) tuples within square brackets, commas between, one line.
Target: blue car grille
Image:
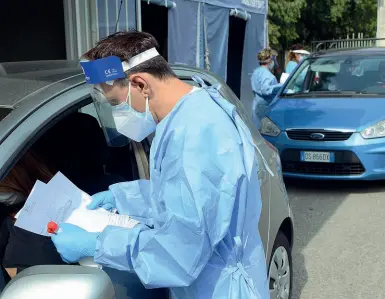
[(346, 163), (323, 168), (327, 135)]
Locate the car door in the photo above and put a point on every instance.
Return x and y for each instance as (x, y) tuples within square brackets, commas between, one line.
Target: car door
[(264, 174), (37, 123)]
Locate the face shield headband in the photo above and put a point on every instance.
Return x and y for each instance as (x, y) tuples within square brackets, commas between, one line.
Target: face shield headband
[(302, 52), (106, 70)]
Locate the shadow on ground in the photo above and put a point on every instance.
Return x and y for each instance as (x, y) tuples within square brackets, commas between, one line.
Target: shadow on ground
[(313, 203)]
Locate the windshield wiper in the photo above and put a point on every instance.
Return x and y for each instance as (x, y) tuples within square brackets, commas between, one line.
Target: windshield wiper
[(295, 94), (331, 93)]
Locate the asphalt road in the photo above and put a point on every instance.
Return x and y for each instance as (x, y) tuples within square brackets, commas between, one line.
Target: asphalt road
[(339, 247)]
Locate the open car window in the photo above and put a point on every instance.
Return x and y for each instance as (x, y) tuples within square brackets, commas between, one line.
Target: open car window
[(338, 75)]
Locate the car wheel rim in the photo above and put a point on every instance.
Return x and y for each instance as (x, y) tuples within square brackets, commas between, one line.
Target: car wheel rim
[(279, 274)]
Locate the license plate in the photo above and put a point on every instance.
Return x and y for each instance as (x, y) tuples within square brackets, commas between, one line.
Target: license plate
[(321, 157)]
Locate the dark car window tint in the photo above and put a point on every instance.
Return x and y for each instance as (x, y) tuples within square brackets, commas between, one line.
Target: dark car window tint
[(4, 112)]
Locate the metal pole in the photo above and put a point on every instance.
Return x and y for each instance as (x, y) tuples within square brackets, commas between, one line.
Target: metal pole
[(139, 15), (381, 23)]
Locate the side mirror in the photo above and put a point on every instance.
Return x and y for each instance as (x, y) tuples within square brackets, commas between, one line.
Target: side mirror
[(72, 282)]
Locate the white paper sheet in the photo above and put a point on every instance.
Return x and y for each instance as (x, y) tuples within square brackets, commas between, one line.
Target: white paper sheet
[(283, 78), (61, 201)]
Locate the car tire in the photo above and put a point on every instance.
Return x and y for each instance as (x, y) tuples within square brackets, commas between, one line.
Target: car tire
[(280, 269)]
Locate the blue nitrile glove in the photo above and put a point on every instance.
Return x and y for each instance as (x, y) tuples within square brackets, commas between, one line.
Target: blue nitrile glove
[(74, 243), (105, 200)]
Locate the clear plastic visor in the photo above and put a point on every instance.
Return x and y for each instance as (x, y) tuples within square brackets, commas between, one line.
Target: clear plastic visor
[(104, 110)]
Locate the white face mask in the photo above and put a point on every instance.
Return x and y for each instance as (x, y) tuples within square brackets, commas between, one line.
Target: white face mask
[(131, 123)]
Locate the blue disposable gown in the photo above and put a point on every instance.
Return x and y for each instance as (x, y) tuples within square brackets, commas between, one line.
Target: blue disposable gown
[(265, 87), (291, 66), (200, 210)]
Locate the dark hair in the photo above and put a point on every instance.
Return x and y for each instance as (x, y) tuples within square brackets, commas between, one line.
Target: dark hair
[(290, 55), (297, 47), (24, 174), (125, 45)]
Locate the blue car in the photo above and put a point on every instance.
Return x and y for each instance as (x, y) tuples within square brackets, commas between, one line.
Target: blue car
[(328, 120)]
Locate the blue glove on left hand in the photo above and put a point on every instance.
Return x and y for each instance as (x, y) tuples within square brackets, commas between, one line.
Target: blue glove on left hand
[(73, 243), (105, 200)]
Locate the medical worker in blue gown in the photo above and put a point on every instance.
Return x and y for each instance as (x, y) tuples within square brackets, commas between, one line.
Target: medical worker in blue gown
[(194, 224), (294, 57), (264, 85)]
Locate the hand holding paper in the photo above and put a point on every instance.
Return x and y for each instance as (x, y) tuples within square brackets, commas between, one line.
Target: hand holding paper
[(105, 200), (74, 243), (62, 202)]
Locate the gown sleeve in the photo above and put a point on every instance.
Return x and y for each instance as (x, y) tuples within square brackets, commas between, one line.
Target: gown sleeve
[(133, 199)]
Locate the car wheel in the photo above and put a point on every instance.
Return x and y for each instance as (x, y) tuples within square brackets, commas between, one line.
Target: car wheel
[(280, 269)]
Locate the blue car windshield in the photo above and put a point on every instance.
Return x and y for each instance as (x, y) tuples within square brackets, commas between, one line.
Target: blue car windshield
[(338, 75)]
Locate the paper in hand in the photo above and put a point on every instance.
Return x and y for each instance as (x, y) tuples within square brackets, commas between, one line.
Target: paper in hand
[(61, 201)]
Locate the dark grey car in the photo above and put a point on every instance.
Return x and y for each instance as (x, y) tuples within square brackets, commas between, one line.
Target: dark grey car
[(37, 97)]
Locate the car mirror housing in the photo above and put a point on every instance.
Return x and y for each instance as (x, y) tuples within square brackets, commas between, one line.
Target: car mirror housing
[(72, 282)]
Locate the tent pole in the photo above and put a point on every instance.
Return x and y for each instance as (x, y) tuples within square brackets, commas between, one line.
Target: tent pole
[(138, 15)]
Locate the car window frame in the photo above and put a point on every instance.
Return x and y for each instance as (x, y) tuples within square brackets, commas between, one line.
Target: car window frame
[(44, 117)]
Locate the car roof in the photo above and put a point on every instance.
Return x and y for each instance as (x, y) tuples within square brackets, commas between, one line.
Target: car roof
[(349, 52), (19, 80)]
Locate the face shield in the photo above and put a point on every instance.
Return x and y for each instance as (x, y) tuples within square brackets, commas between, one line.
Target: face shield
[(104, 110), (302, 53), (106, 70)]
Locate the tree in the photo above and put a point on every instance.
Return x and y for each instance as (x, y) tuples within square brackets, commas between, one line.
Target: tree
[(333, 19), (283, 17), (360, 16)]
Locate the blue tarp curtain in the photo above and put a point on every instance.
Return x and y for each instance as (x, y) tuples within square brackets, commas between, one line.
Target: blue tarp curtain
[(182, 33), (217, 30), (254, 6), (198, 36), (255, 40), (188, 45)]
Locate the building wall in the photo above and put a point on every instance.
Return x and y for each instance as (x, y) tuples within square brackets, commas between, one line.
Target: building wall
[(381, 22), (88, 21)]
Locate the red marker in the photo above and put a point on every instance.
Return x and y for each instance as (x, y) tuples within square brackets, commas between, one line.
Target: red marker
[(52, 227)]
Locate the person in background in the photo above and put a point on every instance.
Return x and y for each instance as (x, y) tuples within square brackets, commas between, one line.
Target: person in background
[(278, 70), (20, 249), (296, 54), (264, 84)]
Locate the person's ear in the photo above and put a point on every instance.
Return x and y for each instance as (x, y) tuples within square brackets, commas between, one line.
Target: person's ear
[(141, 83)]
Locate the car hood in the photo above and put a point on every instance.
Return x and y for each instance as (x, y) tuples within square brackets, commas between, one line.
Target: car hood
[(332, 113)]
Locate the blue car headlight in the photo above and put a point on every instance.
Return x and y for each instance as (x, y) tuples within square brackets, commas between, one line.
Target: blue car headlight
[(374, 131), (269, 128)]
